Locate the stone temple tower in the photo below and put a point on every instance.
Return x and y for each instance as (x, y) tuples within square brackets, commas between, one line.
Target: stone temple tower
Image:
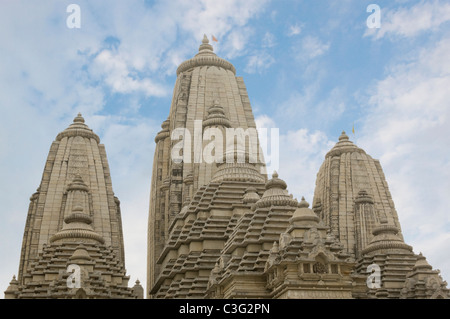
[(224, 229), (207, 95), (352, 195), (73, 242)]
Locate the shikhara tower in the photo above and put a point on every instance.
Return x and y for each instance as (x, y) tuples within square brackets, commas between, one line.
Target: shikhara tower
[(207, 92), (224, 230), (74, 219)]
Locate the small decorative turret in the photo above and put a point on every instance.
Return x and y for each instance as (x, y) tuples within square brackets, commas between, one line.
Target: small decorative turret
[(12, 289), (251, 196), (386, 238), (276, 194), (138, 290), (303, 215), (216, 116), (77, 225)]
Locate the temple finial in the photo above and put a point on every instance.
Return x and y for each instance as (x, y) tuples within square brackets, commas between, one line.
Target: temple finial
[(343, 136), (205, 47), (303, 203), (78, 118)]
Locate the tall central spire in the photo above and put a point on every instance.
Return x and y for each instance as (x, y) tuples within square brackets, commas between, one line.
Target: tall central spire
[(207, 95)]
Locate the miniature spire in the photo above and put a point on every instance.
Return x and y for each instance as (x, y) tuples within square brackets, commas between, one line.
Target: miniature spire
[(250, 196), (276, 182), (77, 225), (303, 214), (13, 288), (216, 116), (138, 290), (276, 194), (303, 203)]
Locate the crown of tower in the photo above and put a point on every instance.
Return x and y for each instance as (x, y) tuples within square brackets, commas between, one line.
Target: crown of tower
[(205, 57), (78, 128), (344, 146)]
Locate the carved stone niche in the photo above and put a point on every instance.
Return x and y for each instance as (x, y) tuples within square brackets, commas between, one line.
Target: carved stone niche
[(320, 268)]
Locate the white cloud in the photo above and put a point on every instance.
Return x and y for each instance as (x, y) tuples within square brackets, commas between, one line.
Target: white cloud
[(409, 22), (407, 129), (268, 40), (264, 121), (313, 47), (118, 76), (294, 30), (236, 42), (259, 62), (311, 106)]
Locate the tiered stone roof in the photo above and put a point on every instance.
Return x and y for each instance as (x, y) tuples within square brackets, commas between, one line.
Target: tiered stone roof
[(102, 273), (197, 236)]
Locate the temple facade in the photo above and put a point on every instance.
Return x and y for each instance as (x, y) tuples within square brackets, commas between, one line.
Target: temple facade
[(225, 229)]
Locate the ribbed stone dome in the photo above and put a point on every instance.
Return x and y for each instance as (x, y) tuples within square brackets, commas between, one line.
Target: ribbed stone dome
[(205, 57), (344, 146), (303, 214), (78, 128), (276, 194), (386, 237)]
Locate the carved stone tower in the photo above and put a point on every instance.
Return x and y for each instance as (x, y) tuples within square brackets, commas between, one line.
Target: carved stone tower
[(73, 219), (207, 95)]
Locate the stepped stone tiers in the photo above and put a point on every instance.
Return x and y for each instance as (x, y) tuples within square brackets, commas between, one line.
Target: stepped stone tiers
[(207, 95), (73, 242), (222, 230)]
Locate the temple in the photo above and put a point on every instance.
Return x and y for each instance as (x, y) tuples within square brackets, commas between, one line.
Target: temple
[(224, 229), (219, 226)]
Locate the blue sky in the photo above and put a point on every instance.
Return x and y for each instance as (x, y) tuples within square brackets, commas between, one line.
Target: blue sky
[(312, 69)]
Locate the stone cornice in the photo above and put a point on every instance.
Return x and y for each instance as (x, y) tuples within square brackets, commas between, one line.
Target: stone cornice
[(207, 60)]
